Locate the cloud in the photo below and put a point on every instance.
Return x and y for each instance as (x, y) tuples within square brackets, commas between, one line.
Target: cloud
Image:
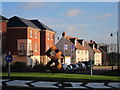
[(31, 5), (73, 12), (106, 15)]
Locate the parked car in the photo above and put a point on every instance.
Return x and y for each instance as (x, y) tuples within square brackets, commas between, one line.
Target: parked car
[(64, 68), (75, 67), (88, 63), (70, 69), (82, 66)]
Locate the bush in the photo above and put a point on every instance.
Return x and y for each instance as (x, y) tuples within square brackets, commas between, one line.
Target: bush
[(39, 68), (19, 66)]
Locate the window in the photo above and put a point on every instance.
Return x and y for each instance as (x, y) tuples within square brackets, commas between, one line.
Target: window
[(29, 46), (31, 33), (82, 59), (52, 36), (36, 47), (36, 34), (82, 51), (85, 52), (48, 35), (22, 47), (78, 51)]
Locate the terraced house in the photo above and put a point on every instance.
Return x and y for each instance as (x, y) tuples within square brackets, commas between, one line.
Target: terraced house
[(23, 41), (97, 53), (47, 39)]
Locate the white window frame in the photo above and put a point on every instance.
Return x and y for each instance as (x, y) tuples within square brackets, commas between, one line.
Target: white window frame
[(48, 36), (36, 47), (31, 33), (36, 34)]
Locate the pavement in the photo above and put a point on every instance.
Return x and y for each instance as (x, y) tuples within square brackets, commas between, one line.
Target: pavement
[(55, 85)]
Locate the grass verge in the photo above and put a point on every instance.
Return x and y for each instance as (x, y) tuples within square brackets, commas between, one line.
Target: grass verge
[(58, 77)]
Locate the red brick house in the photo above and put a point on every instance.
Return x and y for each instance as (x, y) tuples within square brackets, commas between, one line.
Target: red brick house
[(3, 29), (23, 40), (47, 39)]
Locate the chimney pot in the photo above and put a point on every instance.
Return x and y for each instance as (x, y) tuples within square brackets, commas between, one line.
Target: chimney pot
[(63, 34), (90, 40)]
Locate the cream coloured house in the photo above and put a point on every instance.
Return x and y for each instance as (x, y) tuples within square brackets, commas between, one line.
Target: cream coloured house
[(94, 52), (71, 47), (97, 57)]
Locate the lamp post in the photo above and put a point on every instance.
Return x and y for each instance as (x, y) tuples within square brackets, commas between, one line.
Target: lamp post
[(118, 64)]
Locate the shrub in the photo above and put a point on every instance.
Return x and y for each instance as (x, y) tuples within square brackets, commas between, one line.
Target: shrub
[(39, 68), (19, 66)]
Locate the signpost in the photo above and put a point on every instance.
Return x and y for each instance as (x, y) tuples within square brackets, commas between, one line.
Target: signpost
[(8, 59)]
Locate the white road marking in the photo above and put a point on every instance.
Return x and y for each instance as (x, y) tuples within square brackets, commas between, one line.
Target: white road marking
[(44, 84), (48, 84), (18, 83), (2, 80), (76, 85), (116, 85), (97, 85)]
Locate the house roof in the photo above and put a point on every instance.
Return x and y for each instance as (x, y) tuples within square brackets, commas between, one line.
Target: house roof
[(20, 22), (41, 25), (3, 18), (78, 45), (96, 50), (72, 40)]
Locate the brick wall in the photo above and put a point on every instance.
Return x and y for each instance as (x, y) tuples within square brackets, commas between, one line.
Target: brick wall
[(13, 34)]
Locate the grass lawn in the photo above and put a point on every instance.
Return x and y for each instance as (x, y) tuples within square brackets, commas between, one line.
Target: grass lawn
[(59, 76), (105, 66)]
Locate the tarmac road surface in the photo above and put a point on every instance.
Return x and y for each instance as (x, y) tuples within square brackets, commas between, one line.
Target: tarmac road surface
[(30, 85)]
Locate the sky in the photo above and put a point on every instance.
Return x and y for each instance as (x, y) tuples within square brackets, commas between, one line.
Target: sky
[(86, 20)]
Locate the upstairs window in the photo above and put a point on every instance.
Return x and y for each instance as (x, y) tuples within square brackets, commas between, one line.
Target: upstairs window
[(36, 34), (85, 52), (52, 36), (48, 36), (31, 33)]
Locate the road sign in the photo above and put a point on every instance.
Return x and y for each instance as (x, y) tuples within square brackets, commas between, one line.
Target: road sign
[(8, 58)]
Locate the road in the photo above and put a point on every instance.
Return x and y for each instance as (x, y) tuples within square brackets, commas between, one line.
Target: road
[(30, 85)]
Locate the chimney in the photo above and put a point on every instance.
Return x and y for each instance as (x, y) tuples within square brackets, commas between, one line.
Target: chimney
[(97, 46), (93, 45), (63, 34), (91, 41), (75, 41), (83, 43)]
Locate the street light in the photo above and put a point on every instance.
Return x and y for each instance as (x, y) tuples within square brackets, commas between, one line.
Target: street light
[(118, 65)]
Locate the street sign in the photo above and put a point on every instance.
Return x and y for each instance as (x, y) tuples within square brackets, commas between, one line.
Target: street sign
[(8, 58)]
